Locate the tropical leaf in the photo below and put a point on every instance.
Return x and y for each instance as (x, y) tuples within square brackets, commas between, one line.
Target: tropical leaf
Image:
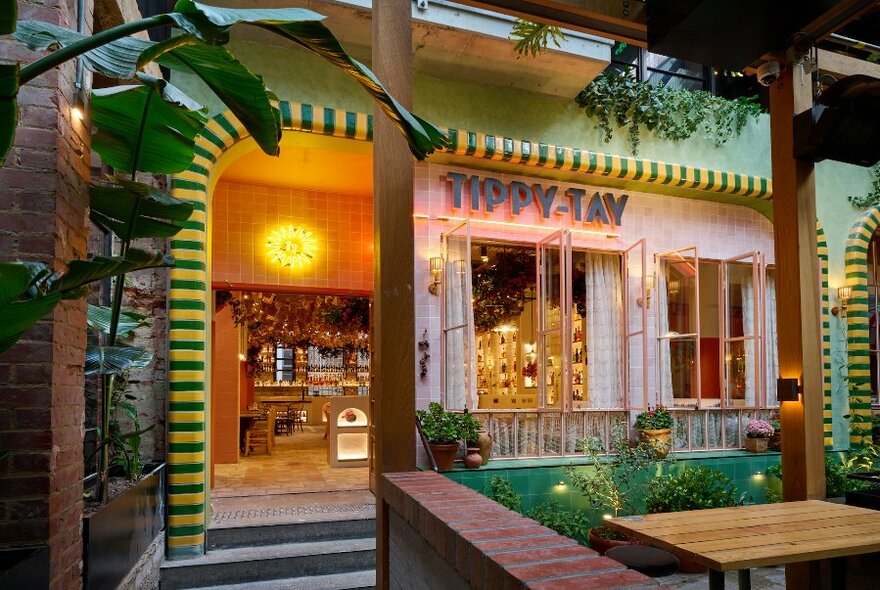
[(8, 107), (116, 59), (159, 215), (111, 360), (151, 127), (82, 272), (243, 92), (8, 16), (29, 291), (98, 317), (212, 23), (423, 137), (303, 27)]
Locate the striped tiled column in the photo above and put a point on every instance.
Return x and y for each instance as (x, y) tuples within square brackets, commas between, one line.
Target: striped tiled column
[(827, 414), (858, 338)]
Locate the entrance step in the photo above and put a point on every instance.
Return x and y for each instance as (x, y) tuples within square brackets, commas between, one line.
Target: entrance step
[(271, 563), (306, 532), (365, 580)]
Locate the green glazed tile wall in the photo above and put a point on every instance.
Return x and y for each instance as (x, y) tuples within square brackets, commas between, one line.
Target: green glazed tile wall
[(538, 483)]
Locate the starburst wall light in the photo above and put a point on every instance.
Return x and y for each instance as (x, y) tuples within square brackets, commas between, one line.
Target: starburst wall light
[(291, 246)]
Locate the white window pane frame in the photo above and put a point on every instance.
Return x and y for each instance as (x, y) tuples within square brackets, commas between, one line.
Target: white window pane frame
[(554, 250), (689, 256), (635, 321), (457, 321), (751, 338)]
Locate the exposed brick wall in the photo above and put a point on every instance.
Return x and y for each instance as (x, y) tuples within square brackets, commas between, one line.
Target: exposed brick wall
[(487, 545), (43, 210)]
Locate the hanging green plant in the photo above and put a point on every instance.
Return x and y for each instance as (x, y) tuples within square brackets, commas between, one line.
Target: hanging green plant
[(862, 202), (671, 114)]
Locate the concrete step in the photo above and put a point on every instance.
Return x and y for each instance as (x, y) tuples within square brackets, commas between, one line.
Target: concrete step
[(362, 580), (247, 565), (302, 532)]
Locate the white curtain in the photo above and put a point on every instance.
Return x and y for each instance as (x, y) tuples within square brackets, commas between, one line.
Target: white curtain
[(604, 319), (460, 382), (770, 347), (747, 289), (662, 311)]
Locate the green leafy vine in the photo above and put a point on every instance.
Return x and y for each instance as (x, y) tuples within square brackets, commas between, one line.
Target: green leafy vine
[(671, 114), (862, 202), (532, 39)]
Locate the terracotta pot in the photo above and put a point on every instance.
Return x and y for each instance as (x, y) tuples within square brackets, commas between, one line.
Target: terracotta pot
[(775, 442), (756, 445), (444, 455), (600, 544), (485, 444), (473, 459), (660, 439)]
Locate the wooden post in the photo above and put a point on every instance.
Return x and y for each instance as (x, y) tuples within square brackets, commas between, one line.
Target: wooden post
[(393, 361), (797, 292)]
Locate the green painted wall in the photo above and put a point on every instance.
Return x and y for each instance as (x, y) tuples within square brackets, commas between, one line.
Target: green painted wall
[(537, 484)]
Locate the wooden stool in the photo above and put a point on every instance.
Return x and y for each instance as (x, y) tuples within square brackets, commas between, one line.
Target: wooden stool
[(646, 560)]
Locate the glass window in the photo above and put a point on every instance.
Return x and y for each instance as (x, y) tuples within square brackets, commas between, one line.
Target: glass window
[(771, 347), (741, 359), (678, 327), (710, 334), (458, 320)]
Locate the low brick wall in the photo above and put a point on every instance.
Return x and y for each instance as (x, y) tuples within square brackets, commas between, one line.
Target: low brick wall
[(445, 535)]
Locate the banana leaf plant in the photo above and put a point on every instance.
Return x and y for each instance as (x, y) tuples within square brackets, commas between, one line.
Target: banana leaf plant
[(199, 50)]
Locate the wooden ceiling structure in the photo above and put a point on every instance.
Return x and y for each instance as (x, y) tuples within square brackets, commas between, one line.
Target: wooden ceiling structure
[(794, 200)]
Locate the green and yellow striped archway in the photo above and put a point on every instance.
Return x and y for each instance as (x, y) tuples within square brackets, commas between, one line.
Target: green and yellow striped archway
[(827, 411), (857, 322), (189, 303)]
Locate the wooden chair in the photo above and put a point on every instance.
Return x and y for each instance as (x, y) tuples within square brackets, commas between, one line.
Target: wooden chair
[(283, 420), (262, 434), (296, 417)]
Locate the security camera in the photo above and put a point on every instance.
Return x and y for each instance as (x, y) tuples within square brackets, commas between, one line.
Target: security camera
[(768, 72)]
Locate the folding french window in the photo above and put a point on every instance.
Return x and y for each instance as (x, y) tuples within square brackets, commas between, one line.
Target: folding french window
[(459, 380), (635, 307), (742, 343), (678, 327), (770, 340), (554, 326)]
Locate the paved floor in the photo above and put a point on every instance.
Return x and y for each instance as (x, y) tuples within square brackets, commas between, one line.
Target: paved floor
[(241, 511), (763, 578), (298, 463)]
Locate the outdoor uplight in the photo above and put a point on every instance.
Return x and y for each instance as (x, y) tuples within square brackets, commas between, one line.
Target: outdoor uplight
[(436, 266), (844, 294), (291, 246)]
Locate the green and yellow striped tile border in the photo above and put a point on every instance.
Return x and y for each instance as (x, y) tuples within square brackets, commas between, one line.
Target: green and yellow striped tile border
[(858, 338), (827, 415), (189, 280)]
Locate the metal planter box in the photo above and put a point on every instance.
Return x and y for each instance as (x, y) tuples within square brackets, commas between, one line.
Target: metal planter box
[(116, 536)]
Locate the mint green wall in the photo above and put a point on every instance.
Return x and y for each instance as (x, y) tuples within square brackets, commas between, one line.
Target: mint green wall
[(539, 484), (835, 181)]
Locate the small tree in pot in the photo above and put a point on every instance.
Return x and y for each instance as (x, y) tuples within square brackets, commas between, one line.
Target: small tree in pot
[(444, 432)]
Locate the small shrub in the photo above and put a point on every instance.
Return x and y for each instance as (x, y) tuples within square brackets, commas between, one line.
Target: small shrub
[(759, 429), (501, 490), (658, 418), (695, 488), (574, 524)]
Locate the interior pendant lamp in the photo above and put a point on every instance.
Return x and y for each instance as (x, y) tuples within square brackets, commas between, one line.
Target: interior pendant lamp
[(291, 246)]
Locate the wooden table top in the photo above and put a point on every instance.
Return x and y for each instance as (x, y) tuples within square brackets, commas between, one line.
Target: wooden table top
[(744, 537)]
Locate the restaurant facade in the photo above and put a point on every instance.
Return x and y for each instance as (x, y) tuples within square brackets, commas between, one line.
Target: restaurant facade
[(561, 285)]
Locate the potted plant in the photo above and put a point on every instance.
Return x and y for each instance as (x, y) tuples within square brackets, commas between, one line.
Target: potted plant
[(694, 488), (655, 428), (615, 484), (758, 433), (444, 432)]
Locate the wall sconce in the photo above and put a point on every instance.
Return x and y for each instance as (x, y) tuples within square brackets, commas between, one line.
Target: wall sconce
[(649, 284), (436, 266), (844, 294), (673, 287), (787, 390)]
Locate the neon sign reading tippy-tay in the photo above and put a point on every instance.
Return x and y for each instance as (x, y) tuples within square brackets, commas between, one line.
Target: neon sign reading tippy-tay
[(488, 194)]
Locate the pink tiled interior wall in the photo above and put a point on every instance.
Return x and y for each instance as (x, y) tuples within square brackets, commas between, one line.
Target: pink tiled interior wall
[(243, 215)]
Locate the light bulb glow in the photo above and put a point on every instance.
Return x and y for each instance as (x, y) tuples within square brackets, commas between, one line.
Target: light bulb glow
[(291, 246)]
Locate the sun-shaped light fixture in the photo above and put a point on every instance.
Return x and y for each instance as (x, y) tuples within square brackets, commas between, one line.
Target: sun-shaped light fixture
[(291, 246)]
